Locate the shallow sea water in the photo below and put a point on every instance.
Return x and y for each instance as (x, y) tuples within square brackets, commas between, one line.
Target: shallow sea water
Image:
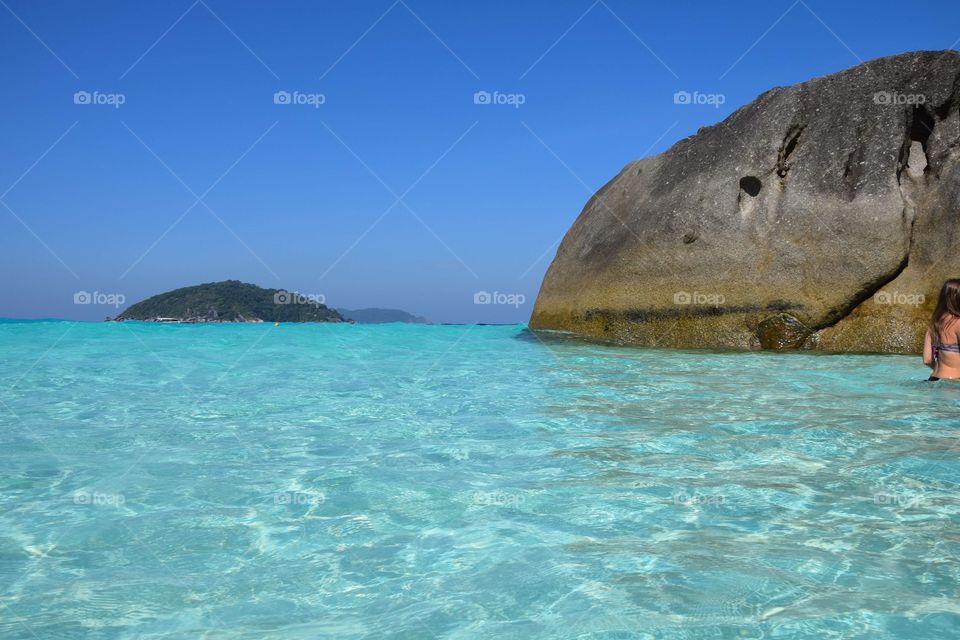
[(405, 481)]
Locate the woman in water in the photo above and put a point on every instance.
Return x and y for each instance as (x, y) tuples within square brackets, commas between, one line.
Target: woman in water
[(941, 347)]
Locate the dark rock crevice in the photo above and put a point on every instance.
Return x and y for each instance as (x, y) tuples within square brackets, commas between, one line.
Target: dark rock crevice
[(943, 111), (787, 147), (853, 167), (922, 123), (865, 293), (915, 152)]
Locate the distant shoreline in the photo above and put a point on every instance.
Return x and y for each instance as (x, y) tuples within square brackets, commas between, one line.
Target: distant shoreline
[(251, 322)]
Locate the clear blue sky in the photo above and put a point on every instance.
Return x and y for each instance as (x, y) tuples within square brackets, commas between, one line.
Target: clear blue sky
[(292, 193)]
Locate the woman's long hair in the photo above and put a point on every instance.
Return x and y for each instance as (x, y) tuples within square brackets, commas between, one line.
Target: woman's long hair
[(948, 308)]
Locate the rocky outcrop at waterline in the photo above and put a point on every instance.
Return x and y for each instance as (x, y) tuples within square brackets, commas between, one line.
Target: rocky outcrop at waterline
[(820, 216)]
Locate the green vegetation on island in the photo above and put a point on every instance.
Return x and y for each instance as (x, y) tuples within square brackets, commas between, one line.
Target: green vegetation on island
[(231, 301)]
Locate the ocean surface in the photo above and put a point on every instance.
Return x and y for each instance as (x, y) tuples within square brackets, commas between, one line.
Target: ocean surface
[(410, 481)]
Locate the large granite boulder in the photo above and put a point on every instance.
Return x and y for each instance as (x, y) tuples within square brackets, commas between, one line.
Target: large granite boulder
[(819, 216)]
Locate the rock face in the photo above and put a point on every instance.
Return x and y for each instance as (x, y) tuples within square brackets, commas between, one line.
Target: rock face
[(820, 216)]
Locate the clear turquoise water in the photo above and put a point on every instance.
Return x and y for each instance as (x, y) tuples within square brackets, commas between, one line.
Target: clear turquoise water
[(402, 481)]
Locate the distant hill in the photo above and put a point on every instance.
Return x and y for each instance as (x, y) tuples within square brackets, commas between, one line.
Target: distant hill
[(381, 316), (230, 301)]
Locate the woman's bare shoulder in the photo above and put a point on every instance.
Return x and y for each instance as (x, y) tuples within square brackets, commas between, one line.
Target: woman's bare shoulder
[(951, 329)]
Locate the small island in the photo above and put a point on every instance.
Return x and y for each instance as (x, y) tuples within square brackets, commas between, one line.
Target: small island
[(374, 315), (231, 301)]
